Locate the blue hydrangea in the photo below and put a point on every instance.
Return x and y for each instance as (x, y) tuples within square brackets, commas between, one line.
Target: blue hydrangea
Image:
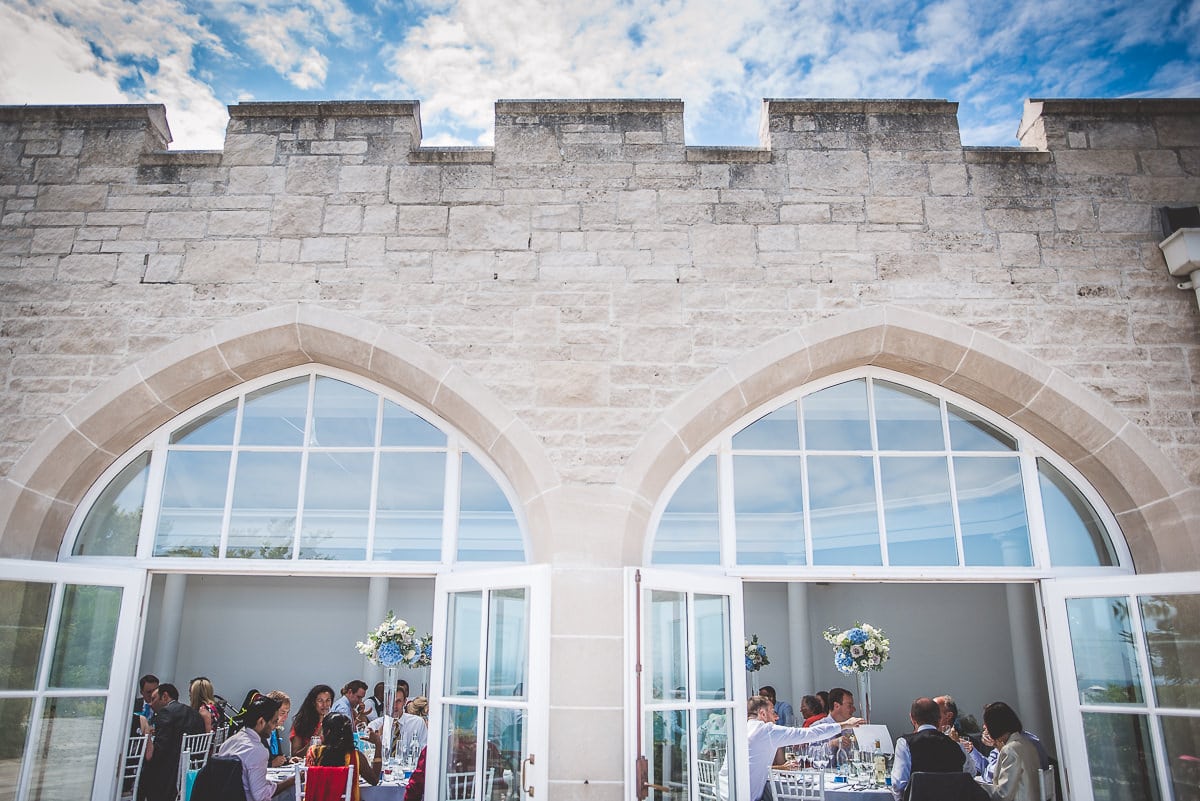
[(749, 664), (857, 636), (390, 654)]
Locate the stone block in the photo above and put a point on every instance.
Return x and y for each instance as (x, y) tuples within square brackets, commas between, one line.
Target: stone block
[(323, 248), (723, 244), (87, 267), (71, 198), (251, 222), (297, 216), (490, 228), (249, 149), (52, 240), (828, 172), (219, 261), (363, 179), (176, 224), (342, 220), (415, 185), (895, 210), (311, 175), (162, 268)]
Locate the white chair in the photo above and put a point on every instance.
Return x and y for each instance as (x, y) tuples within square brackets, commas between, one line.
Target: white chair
[(333, 774), (461, 786), (135, 757), (1046, 784), (218, 738), (193, 753), (792, 785), (706, 774)]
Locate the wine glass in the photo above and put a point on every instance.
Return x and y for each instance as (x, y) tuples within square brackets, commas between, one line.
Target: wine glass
[(820, 758)]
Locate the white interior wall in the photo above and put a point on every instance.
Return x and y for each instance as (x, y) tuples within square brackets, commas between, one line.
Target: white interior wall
[(945, 638)]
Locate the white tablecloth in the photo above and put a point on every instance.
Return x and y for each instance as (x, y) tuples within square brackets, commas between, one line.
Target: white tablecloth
[(380, 792)]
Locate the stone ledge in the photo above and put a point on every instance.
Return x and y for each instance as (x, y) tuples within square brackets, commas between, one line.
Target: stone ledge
[(722, 154), (182, 158), (590, 106), (1005, 155), (92, 115), (1108, 107), (778, 105), (328, 108), (452, 155)]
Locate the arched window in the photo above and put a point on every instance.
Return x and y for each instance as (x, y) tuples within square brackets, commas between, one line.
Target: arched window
[(309, 467), (873, 473)]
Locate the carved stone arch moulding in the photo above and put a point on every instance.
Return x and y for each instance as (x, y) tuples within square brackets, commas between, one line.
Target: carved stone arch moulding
[(39, 496), (1157, 509)]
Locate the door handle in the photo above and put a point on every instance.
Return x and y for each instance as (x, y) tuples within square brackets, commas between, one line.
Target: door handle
[(526, 761)]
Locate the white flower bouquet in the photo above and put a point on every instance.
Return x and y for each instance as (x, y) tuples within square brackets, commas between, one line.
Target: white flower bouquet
[(756, 654), (394, 642), (858, 649)]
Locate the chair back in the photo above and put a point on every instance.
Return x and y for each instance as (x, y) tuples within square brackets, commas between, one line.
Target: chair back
[(797, 785), (131, 772), (1046, 784), (219, 780), (326, 783), (954, 786), (219, 736), (193, 753), (706, 774), (461, 786)]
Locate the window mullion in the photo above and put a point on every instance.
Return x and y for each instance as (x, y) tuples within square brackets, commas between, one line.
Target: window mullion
[(376, 460), (452, 502)]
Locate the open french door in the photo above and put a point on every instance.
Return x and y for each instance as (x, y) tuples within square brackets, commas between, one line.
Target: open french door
[(687, 688), (68, 637), (492, 685), (1125, 653)]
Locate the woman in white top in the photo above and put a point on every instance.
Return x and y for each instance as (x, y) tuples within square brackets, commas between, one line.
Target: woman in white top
[(1016, 777)]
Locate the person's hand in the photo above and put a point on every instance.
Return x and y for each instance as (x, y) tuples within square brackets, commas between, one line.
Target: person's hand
[(853, 723), (966, 744)]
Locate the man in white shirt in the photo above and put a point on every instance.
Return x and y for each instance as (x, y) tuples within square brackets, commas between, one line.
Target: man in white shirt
[(764, 737), (404, 728), (249, 746)]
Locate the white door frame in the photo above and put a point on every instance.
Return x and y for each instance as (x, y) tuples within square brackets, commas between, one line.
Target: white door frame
[(536, 580)]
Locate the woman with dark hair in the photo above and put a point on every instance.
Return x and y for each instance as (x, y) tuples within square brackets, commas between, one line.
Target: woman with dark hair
[(337, 750), (1016, 777), (307, 723)]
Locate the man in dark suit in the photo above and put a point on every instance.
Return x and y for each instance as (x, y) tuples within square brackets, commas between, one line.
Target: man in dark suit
[(925, 749), (172, 720)]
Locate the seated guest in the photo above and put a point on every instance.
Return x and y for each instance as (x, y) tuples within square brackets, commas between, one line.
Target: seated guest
[(248, 745), (1016, 773), (415, 789), (925, 749), (404, 728), (203, 700), (419, 707), (812, 709), (172, 720), (275, 742), (986, 765), (337, 750), (373, 703), (350, 702), (948, 723), (782, 708), (307, 723), (146, 686)]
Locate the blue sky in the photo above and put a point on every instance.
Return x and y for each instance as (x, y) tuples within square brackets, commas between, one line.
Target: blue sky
[(722, 58)]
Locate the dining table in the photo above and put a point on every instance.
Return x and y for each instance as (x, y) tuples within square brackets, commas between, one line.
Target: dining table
[(839, 788), (384, 791)]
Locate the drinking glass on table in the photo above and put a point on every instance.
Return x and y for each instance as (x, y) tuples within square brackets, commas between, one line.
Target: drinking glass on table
[(820, 757)]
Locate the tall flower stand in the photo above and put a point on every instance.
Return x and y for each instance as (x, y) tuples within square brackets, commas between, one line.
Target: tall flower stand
[(864, 694), (390, 675)]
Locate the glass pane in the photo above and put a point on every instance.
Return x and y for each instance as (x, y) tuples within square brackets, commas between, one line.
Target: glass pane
[(275, 415), (713, 682), (87, 633), (668, 755), (689, 533), (1181, 737), (506, 750), (112, 524), (214, 427), (462, 658), (769, 510), (1102, 643), (845, 528), (343, 415), (1074, 531), (487, 526), (14, 726), (1120, 758), (970, 432), (460, 737), (1172, 626), (712, 738), (193, 504), (778, 430), (408, 516), (991, 511), (835, 419), (63, 762), (337, 506), (263, 521), (508, 643), (917, 510), (402, 427), (666, 644), (23, 610), (906, 419)]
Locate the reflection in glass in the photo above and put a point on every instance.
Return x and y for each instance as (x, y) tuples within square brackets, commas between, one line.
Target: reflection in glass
[(337, 506), (1073, 529), (343, 415), (262, 523), (508, 643), (769, 506), (23, 609), (214, 427), (402, 427), (845, 528), (462, 656), (461, 755), (487, 526), (666, 644), (688, 533), (713, 735), (835, 419), (408, 516), (14, 727), (1105, 659), (668, 755), (906, 419), (970, 432), (917, 510), (63, 760), (193, 503), (87, 633), (1120, 758), (506, 749), (776, 431), (1181, 739), (112, 524), (713, 682), (1172, 628), (275, 415), (991, 511)]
